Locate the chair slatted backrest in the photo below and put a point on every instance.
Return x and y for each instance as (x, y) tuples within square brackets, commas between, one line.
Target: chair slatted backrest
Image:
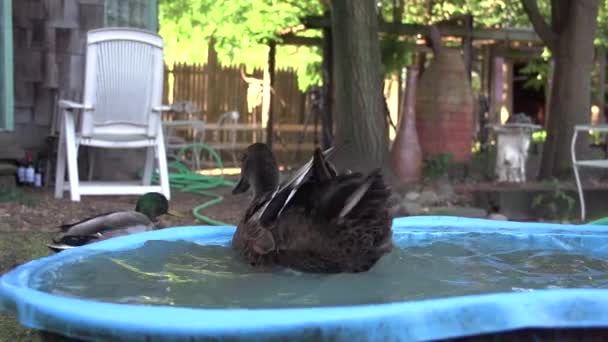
[(123, 82)]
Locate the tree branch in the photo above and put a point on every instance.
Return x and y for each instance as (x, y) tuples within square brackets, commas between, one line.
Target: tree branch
[(538, 22), (326, 4), (398, 8)]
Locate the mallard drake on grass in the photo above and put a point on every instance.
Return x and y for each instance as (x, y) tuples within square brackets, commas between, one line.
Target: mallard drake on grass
[(316, 221), (104, 226)]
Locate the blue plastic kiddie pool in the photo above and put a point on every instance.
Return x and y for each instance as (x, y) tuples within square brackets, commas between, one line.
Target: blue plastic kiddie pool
[(533, 265)]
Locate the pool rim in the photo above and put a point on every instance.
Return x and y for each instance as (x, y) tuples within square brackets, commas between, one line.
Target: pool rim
[(159, 320)]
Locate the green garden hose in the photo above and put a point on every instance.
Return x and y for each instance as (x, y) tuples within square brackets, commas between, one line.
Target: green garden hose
[(184, 180), (600, 222)]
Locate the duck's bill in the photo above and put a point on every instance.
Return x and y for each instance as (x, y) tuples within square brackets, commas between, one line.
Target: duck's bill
[(174, 213)]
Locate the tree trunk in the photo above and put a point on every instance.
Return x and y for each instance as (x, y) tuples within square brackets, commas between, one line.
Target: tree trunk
[(570, 39), (359, 109), (272, 54), (327, 125)]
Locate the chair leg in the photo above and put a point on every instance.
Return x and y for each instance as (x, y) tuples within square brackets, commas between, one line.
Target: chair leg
[(579, 188), (149, 166), (60, 167), (162, 166), (72, 156), (197, 158), (92, 157)]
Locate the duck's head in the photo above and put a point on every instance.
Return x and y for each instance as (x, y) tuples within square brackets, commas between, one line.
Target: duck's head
[(259, 171), (153, 205)]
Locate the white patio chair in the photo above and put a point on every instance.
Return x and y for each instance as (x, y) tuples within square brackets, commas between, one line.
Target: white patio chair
[(121, 108), (225, 136), (228, 121)]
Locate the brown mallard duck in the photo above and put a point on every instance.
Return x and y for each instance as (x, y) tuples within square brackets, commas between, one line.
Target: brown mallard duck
[(116, 223), (316, 221)]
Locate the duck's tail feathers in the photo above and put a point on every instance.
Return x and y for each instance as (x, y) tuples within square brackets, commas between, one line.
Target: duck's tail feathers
[(63, 241), (57, 247)]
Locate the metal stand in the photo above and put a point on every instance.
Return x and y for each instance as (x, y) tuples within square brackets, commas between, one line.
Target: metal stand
[(596, 163)]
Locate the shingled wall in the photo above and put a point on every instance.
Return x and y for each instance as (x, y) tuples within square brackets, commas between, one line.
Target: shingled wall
[(49, 50)]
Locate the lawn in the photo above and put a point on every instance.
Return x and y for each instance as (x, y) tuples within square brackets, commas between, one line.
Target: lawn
[(29, 218), (16, 247)]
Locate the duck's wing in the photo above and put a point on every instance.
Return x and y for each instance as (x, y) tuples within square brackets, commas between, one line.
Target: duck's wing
[(346, 192), (298, 177), (66, 227), (100, 227), (100, 224), (322, 169), (355, 197), (317, 167)]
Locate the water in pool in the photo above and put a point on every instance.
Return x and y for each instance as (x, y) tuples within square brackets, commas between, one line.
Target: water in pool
[(186, 274)]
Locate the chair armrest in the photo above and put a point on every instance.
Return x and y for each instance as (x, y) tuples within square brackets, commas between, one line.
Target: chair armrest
[(162, 108), (592, 128), (66, 104)]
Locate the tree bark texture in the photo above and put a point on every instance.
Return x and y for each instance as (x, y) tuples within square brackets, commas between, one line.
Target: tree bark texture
[(272, 53), (327, 124), (570, 39), (361, 129)]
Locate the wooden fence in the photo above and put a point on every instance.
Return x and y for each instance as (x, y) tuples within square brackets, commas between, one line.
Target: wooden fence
[(216, 89)]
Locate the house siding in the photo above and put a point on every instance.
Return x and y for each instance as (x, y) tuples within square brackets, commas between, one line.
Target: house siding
[(49, 57), (6, 67), (49, 49)]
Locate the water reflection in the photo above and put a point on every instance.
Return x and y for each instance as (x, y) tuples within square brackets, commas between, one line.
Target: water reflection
[(187, 274)]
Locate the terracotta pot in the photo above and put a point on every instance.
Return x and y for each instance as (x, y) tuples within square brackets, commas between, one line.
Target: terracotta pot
[(444, 107), (406, 155)]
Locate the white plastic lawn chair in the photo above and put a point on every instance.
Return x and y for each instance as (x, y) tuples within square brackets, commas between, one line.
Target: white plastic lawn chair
[(227, 122), (121, 108)]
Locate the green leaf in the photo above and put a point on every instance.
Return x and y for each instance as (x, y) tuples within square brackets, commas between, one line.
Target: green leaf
[(242, 28)]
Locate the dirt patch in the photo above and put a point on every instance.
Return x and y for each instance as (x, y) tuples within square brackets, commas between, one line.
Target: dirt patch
[(526, 186)]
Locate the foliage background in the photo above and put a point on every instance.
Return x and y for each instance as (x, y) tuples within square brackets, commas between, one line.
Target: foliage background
[(242, 27)]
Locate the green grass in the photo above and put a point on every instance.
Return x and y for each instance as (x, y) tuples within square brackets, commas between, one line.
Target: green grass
[(17, 247), (11, 194)]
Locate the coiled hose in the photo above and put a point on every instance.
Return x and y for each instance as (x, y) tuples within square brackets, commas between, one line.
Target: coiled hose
[(183, 179), (600, 222)]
